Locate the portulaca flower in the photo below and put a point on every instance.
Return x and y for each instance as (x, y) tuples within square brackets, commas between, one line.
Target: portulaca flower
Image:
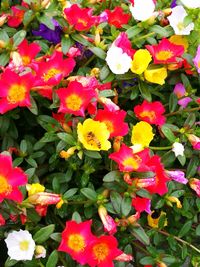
[(178, 149), (20, 245), (142, 9), (176, 21), (118, 62), (191, 3)]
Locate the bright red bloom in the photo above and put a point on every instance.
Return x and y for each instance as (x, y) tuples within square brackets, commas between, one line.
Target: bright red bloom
[(75, 98), (151, 112), (2, 220), (129, 161), (16, 17), (161, 178), (102, 251), (141, 204), (113, 119), (10, 179), (124, 43), (165, 52), (75, 240), (28, 51), (15, 90), (80, 18), (117, 17)]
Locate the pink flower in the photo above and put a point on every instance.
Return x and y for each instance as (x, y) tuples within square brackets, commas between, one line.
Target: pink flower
[(195, 185), (180, 92), (195, 141), (196, 60), (177, 176), (141, 204), (107, 220)]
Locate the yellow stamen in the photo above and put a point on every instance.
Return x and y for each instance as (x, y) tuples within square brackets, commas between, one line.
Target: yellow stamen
[(24, 245), (73, 102), (132, 162), (4, 186), (101, 251), (76, 242), (149, 114), (16, 93), (164, 55), (50, 73)]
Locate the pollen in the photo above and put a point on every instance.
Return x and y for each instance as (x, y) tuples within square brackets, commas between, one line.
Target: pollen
[(24, 245), (100, 251), (109, 126), (73, 102), (150, 114), (82, 21), (16, 94), (164, 55), (92, 140), (50, 74), (132, 162), (4, 186), (76, 242)]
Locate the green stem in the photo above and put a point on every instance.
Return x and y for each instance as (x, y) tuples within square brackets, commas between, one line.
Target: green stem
[(179, 240), (89, 60), (144, 36), (160, 148), (140, 248), (180, 111), (80, 202)]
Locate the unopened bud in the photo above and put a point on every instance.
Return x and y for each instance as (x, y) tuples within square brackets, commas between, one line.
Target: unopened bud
[(40, 252)]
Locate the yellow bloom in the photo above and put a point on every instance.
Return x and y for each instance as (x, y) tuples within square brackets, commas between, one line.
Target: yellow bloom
[(156, 75), (179, 40), (94, 135), (172, 199), (141, 60), (34, 188), (142, 134), (153, 222)]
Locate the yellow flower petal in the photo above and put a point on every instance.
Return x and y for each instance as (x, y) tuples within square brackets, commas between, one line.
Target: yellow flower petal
[(142, 134), (156, 75), (141, 60)]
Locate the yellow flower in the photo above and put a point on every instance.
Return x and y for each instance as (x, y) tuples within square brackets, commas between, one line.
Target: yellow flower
[(141, 60), (153, 221), (179, 40), (34, 188), (142, 134), (94, 135), (172, 199), (156, 75)]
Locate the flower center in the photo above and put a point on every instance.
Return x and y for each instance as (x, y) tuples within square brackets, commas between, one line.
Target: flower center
[(118, 66), (50, 73), (180, 26), (4, 186), (100, 251), (76, 242), (73, 102), (16, 94), (198, 64), (93, 140), (150, 114), (82, 21), (132, 162), (109, 126), (26, 60), (164, 55), (24, 245)]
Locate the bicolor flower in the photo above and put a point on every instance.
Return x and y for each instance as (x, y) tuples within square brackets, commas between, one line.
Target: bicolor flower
[(151, 112), (194, 140), (165, 52), (76, 238), (15, 90), (45, 199), (180, 40), (129, 161), (20, 245), (94, 135), (142, 9), (75, 98), (141, 60), (176, 20), (117, 17), (108, 222), (113, 119), (153, 219), (124, 43), (196, 59), (142, 134), (195, 185), (10, 179), (155, 74), (141, 204)]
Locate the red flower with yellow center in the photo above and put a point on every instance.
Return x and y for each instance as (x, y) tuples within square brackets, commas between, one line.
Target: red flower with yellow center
[(102, 251), (151, 112), (15, 90), (165, 52), (129, 161), (28, 51), (75, 240), (10, 179), (80, 18), (117, 17), (75, 98), (16, 17), (113, 119)]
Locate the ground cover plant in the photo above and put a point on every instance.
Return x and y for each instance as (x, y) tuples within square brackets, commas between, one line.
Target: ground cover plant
[(99, 133)]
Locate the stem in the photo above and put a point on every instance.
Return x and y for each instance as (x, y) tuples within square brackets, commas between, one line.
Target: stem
[(180, 111), (80, 202), (144, 36), (141, 248), (180, 240), (89, 60), (160, 148)]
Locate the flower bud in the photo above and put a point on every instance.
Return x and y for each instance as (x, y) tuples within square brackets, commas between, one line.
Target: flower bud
[(172, 199), (40, 252), (108, 222), (195, 185), (124, 257), (44, 198)]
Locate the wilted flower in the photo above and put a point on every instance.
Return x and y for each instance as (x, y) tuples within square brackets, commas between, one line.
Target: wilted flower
[(153, 219), (107, 220)]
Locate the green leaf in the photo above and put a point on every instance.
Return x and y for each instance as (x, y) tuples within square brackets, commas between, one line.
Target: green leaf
[(33, 108), (147, 260), (67, 138), (23, 146), (70, 193), (143, 193), (192, 167), (169, 259), (173, 100), (162, 31), (76, 217), (56, 237), (105, 71), (53, 259), (46, 20), (168, 133), (140, 234), (43, 234), (190, 121), (133, 31), (4, 36), (98, 52), (145, 92), (198, 230), (80, 39), (92, 154), (10, 262), (106, 93), (65, 44), (32, 162), (182, 159), (111, 176), (185, 229), (126, 206), (18, 37), (28, 15), (186, 82), (89, 193), (116, 200), (4, 58)]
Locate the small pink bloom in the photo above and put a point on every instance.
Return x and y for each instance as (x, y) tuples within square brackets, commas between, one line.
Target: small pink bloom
[(195, 185), (184, 101), (179, 90), (195, 141), (196, 60), (124, 257), (107, 220), (177, 176)]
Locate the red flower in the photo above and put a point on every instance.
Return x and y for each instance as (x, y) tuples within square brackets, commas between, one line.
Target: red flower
[(28, 51), (129, 161), (141, 204), (151, 112), (75, 98), (10, 179), (80, 18), (2, 220), (124, 43), (102, 251), (15, 90), (113, 119), (117, 17), (75, 240), (16, 17), (165, 52)]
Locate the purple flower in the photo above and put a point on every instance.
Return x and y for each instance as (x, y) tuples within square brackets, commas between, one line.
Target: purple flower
[(177, 176), (53, 36), (173, 3)]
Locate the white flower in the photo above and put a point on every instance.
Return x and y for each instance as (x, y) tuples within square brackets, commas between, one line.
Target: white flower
[(178, 149), (191, 3), (20, 245), (176, 20), (118, 62), (142, 9)]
